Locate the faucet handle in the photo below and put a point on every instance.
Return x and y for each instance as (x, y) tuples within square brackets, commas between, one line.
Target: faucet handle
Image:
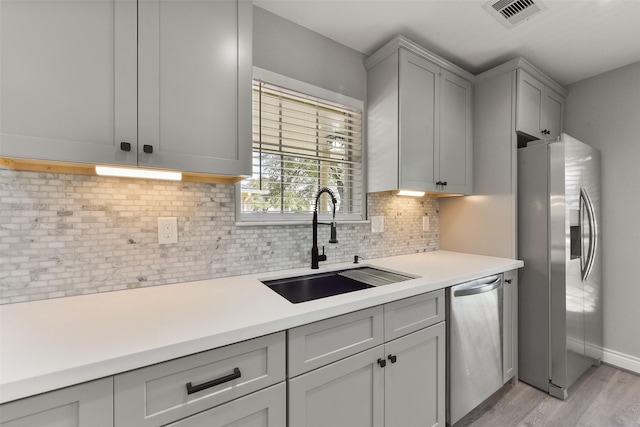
[(322, 257)]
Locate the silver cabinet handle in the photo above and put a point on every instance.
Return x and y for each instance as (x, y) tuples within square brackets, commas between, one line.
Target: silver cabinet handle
[(488, 287)]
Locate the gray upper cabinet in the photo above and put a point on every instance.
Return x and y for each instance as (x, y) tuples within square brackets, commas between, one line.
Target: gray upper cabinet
[(169, 79), (455, 155), (419, 98), (195, 66), (419, 121), (68, 80), (540, 110)]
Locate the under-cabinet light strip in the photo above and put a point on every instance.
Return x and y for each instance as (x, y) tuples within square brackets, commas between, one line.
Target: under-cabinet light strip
[(138, 173), (411, 193)]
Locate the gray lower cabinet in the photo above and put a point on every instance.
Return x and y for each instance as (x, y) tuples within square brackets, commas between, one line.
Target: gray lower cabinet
[(174, 391), (415, 379), (398, 384), (345, 393), (510, 326), (84, 405), (317, 344), (358, 378), (379, 367), (265, 408)]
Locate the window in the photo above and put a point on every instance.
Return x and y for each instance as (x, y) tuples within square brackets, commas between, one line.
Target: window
[(301, 143)]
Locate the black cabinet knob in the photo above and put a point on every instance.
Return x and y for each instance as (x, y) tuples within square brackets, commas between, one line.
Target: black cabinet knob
[(439, 183), (444, 183), (392, 358), (125, 146), (147, 148), (382, 363)]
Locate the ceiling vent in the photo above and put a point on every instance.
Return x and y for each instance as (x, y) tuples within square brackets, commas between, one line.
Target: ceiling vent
[(513, 12)]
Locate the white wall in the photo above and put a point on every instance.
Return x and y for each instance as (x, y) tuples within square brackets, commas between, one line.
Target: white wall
[(604, 112)]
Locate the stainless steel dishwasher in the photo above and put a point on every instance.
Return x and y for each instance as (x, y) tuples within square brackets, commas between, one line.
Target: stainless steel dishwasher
[(474, 344)]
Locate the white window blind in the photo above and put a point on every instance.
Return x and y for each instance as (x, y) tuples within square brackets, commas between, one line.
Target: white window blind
[(302, 143)]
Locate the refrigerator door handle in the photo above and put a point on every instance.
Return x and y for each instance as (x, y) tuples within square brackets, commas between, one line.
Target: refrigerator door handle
[(593, 234), (485, 287)]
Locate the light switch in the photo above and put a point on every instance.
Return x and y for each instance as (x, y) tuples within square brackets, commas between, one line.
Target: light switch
[(377, 224)]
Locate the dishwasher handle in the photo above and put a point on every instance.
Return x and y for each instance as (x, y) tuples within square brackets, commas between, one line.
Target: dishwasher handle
[(482, 288)]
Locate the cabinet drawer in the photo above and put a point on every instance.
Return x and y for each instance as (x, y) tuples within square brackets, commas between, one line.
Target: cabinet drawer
[(411, 314), (317, 344), (264, 408), (158, 395)]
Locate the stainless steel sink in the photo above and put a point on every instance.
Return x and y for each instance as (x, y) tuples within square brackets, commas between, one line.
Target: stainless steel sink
[(320, 285)]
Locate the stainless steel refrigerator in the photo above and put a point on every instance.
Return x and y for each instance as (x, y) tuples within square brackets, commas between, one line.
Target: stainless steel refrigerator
[(560, 286)]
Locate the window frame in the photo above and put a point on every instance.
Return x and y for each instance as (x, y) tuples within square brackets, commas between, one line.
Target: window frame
[(291, 218)]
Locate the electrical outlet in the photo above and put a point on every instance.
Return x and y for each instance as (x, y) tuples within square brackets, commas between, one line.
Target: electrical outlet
[(377, 224), (425, 223), (167, 230)]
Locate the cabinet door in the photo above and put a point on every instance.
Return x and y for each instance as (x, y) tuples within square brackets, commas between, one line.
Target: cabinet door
[(85, 405), (415, 379), (553, 113), (529, 117), (68, 80), (419, 121), (454, 148), (345, 393), (195, 85), (510, 325), (265, 408)]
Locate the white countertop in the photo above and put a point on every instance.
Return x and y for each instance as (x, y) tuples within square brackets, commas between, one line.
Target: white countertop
[(50, 344)]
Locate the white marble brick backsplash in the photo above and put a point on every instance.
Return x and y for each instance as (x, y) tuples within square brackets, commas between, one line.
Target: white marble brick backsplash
[(64, 235)]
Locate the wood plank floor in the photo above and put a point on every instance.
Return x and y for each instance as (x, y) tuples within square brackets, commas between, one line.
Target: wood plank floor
[(602, 397)]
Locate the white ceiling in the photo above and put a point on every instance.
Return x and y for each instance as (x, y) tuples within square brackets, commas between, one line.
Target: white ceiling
[(570, 41)]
